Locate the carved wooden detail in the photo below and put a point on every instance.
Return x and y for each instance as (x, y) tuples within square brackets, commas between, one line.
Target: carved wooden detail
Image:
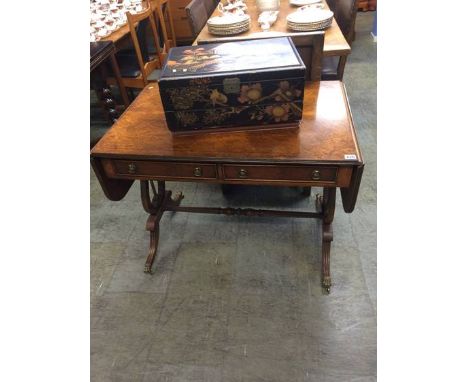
[(327, 205), (155, 205)]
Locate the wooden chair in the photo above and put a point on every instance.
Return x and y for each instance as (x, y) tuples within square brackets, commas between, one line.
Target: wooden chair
[(163, 16), (345, 15), (197, 15), (308, 44), (310, 48), (210, 6), (139, 66), (165, 31)]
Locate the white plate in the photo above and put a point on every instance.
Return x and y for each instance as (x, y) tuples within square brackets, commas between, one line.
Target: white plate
[(227, 20), (229, 32), (328, 21), (230, 24), (309, 16), (309, 29), (311, 26), (212, 29), (300, 3), (228, 27)]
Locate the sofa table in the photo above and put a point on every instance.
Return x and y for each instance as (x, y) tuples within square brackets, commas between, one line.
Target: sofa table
[(322, 152)]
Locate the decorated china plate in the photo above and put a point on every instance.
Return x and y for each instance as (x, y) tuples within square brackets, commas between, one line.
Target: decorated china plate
[(309, 16), (228, 19)]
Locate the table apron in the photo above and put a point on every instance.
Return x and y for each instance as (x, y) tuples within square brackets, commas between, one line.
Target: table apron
[(274, 174)]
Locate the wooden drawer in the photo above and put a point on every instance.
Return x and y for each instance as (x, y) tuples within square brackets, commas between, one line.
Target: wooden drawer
[(164, 170), (270, 174)]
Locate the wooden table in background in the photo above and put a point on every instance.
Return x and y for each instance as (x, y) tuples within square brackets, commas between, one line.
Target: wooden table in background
[(335, 43), (181, 25), (100, 53), (121, 32), (118, 34), (322, 152)]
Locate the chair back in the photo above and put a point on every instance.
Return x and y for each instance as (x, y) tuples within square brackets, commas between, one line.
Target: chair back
[(137, 24), (209, 6), (345, 12), (163, 16), (310, 48), (197, 15)]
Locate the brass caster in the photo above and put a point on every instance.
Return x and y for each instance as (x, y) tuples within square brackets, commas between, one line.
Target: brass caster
[(148, 269), (326, 284)]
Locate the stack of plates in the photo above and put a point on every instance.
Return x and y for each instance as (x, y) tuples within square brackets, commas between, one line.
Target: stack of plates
[(228, 24), (309, 19)]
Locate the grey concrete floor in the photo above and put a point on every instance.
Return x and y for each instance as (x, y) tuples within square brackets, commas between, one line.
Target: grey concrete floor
[(236, 298)]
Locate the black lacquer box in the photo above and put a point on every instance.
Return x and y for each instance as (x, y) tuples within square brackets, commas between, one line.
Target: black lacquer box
[(254, 83)]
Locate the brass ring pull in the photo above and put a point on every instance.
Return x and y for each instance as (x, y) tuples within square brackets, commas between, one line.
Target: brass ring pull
[(132, 168), (242, 173), (197, 171), (316, 175)]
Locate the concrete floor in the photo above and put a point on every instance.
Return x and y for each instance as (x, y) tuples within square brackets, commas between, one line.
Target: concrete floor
[(236, 298)]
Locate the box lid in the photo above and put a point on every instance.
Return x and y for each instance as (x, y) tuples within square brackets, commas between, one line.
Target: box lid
[(273, 54)]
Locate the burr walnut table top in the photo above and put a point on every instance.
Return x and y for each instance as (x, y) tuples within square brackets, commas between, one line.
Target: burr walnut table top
[(326, 134)]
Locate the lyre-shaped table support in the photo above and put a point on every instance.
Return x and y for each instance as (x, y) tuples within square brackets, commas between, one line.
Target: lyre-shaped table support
[(326, 204), (155, 206), (162, 200)]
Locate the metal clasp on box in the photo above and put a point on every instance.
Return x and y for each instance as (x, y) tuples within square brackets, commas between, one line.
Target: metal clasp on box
[(231, 85)]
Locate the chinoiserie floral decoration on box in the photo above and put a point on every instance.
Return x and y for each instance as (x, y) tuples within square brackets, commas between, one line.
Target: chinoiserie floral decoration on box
[(278, 105), (233, 84)]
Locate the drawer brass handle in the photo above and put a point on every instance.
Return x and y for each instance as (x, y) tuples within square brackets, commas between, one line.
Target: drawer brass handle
[(132, 168), (242, 173), (197, 171), (316, 175)]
